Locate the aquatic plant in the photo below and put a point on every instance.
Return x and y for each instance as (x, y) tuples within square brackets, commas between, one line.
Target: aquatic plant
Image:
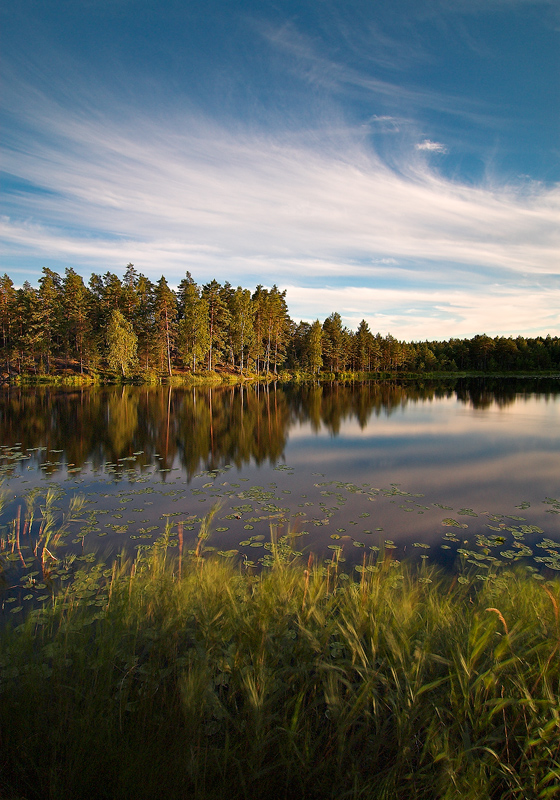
[(187, 676)]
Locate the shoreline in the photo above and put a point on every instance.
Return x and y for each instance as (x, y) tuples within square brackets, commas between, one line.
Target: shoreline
[(231, 378)]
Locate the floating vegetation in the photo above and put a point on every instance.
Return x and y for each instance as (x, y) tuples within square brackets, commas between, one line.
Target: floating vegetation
[(452, 523), (54, 530)]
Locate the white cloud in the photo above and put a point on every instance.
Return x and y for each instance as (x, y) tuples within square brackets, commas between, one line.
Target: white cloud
[(416, 314), (433, 147), (180, 193)]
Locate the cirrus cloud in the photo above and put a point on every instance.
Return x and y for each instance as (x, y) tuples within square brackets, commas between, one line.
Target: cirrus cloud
[(434, 257), (432, 147)]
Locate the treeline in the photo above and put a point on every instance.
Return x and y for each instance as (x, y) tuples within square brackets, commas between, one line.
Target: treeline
[(132, 326)]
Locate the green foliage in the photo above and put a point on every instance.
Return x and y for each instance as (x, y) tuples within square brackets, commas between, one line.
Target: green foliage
[(194, 334), (242, 330), (165, 315), (121, 344), (218, 320), (188, 678), (314, 346), (45, 330)]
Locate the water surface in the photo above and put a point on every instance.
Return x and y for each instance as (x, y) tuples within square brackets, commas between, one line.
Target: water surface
[(417, 469)]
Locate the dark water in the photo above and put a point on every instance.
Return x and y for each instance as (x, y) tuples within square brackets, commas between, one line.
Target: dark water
[(419, 469)]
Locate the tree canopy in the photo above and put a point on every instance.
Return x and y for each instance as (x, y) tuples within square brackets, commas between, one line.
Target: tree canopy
[(133, 326)]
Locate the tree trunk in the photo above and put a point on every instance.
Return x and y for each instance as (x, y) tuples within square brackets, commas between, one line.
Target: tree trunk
[(168, 344)]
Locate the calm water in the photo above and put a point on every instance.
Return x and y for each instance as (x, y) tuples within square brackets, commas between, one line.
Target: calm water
[(351, 466)]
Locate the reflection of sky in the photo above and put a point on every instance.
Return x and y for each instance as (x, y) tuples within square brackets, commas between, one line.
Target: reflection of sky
[(449, 415), (488, 459)]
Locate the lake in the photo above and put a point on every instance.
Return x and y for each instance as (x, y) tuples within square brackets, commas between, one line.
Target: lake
[(410, 469)]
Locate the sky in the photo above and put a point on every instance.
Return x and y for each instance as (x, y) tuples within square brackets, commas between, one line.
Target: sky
[(396, 161)]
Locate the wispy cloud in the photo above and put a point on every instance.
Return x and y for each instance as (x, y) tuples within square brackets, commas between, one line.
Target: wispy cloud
[(432, 147), (297, 209), (309, 62), (416, 314)]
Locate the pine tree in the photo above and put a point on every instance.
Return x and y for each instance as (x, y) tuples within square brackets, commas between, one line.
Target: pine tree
[(26, 337), (143, 318), (7, 320), (272, 326), (259, 301), (281, 327), (218, 321), (165, 317), (194, 335), (335, 342), (315, 336), (129, 295), (363, 347), (76, 300), (47, 317), (106, 295), (298, 349), (241, 325)]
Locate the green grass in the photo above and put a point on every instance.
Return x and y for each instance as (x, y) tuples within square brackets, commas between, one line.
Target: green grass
[(188, 678)]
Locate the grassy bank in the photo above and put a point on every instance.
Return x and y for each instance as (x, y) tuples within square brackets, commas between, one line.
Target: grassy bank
[(185, 678), (206, 378), (230, 376)]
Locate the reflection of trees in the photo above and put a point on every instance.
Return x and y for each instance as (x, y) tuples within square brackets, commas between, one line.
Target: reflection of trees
[(206, 428), (122, 419), (481, 393), (232, 426)]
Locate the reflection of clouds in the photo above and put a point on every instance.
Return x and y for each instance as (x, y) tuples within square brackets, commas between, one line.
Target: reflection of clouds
[(489, 488), (444, 462), (477, 478)]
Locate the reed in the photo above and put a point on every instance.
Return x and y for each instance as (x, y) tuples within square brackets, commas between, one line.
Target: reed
[(191, 678)]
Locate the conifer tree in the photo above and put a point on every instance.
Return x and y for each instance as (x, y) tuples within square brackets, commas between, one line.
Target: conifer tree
[(194, 335), (315, 336), (106, 292), (298, 350), (281, 324), (143, 318), (26, 337), (334, 343), (76, 300), (165, 317), (259, 301), (7, 318), (47, 316), (129, 295), (241, 326), (218, 321)]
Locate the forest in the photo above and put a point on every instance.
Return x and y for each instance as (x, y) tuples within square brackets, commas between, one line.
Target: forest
[(134, 328)]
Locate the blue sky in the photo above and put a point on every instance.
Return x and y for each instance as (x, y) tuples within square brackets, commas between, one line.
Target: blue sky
[(395, 160)]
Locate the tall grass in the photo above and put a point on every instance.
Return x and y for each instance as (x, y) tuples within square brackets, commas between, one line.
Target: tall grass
[(164, 679)]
